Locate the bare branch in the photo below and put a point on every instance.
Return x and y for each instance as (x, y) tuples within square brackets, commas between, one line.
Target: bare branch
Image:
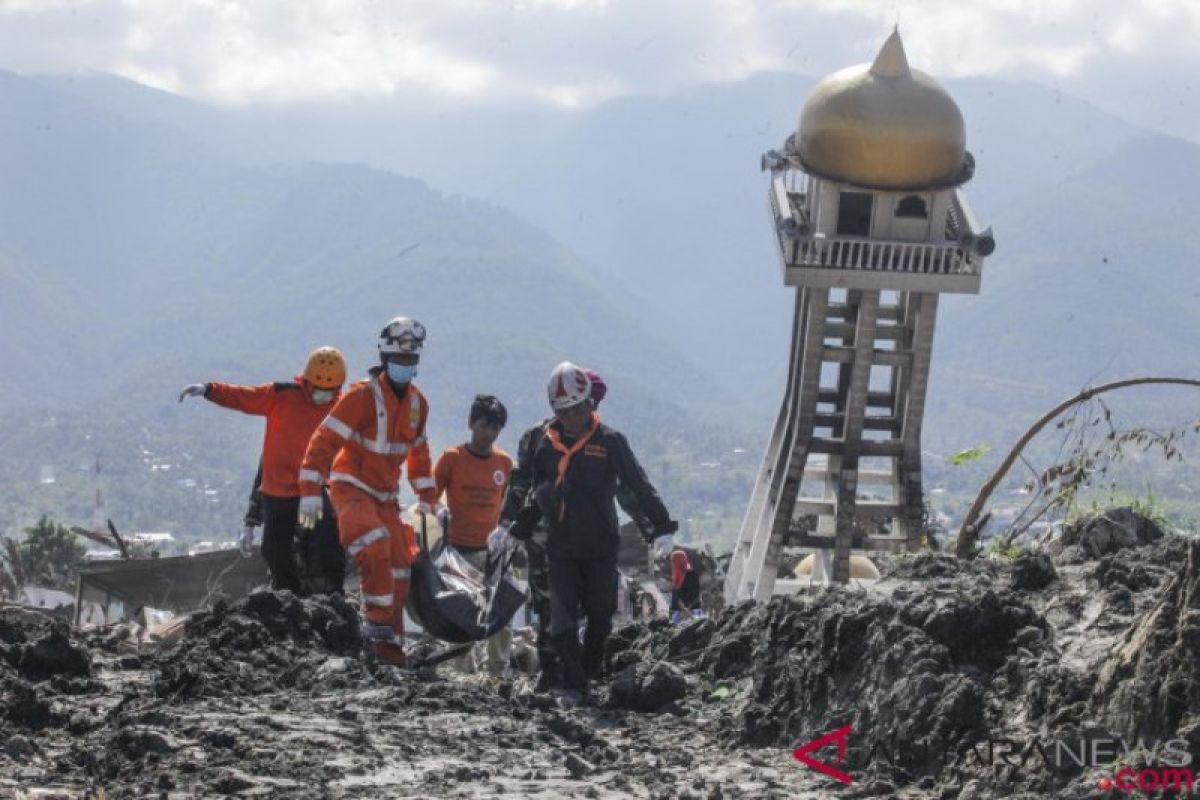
[(968, 531)]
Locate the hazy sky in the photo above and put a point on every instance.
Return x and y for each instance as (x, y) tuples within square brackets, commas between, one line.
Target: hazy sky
[(1138, 57)]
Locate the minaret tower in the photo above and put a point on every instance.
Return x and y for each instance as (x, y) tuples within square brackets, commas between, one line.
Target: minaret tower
[(872, 226)]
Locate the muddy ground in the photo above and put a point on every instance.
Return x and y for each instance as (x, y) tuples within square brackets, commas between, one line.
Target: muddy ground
[(956, 680)]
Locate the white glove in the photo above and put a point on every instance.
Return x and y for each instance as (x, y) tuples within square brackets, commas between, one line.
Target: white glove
[(193, 390), (664, 545), (311, 510), (498, 540), (424, 508), (247, 541), (443, 516)]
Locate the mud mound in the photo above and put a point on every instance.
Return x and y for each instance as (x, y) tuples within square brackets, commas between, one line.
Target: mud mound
[(1033, 571), (926, 566), (913, 668), (268, 641), (643, 687), (913, 671), (1111, 530), (1151, 686), (1113, 571), (37, 658)]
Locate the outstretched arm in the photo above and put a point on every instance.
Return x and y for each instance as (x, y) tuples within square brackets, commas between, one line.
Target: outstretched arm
[(255, 400), (632, 476)]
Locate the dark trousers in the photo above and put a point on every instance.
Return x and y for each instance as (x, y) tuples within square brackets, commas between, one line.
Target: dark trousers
[(539, 604), (589, 585), (322, 560), (321, 554), (687, 596)]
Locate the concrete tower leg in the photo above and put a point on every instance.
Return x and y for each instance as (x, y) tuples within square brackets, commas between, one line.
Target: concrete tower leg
[(769, 518), (920, 316)]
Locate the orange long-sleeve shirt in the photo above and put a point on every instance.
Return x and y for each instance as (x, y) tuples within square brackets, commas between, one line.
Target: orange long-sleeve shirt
[(367, 439), (292, 417), (474, 487)]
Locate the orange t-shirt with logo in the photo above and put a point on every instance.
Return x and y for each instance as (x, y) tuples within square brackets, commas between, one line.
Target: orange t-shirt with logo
[(474, 487)]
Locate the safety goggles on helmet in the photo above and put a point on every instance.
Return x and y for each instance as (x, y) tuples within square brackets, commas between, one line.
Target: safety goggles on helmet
[(402, 335)]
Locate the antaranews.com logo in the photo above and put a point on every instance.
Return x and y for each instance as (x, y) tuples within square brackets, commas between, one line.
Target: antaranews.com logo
[(1170, 760)]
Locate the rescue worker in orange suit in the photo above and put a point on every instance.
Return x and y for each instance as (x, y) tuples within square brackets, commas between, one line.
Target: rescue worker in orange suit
[(293, 410), (576, 469), (376, 429), (474, 476)]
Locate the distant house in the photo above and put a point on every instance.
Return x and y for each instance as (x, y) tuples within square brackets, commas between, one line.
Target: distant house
[(100, 552), (52, 600), (155, 538), (41, 597)]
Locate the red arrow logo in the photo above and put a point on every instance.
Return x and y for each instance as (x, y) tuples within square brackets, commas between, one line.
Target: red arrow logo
[(801, 754)]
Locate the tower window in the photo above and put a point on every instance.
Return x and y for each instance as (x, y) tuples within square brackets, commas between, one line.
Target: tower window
[(911, 207), (854, 214)]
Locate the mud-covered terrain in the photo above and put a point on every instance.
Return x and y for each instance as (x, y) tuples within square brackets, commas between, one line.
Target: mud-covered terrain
[(955, 679)]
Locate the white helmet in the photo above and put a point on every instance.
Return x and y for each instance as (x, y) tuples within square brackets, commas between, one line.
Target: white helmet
[(569, 386), (402, 335)]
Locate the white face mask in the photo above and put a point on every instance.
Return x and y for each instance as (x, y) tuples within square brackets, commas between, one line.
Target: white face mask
[(322, 396)]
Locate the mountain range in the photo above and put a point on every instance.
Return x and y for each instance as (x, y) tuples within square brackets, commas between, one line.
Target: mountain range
[(147, 240)]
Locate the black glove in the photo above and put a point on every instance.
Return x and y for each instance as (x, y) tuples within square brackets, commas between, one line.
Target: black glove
[(671, 527), (523, 526), (546, 496)]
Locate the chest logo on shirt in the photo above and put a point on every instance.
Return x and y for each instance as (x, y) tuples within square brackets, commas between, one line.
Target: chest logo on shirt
[(498, 477), (597, 450)]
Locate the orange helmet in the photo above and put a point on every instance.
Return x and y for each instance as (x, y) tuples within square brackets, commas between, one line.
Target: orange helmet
[(326, 369)]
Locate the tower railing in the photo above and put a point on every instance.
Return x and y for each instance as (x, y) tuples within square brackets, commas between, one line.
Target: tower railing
[(801, 247), (847, 252)]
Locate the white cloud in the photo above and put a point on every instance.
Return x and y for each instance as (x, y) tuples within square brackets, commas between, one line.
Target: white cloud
[(566, 52)]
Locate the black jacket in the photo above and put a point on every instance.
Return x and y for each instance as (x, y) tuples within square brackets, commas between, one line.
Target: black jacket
[(521, 485), (588, 527)]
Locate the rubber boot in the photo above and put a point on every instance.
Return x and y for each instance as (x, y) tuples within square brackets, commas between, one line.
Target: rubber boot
[(384, 643), (594, 638), (390, 652), (571, 669)]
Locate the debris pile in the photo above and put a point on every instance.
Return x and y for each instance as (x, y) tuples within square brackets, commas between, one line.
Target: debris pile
[(270, 696), (1150, 687), (950, 656), (1106, 532), (907, 668), (266, 641), (37, 659)]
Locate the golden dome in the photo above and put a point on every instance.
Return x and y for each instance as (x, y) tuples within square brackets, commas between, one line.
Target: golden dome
[(884, 126)]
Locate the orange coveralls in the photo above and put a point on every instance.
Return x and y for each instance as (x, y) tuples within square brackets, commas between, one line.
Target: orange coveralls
[(359, 450)]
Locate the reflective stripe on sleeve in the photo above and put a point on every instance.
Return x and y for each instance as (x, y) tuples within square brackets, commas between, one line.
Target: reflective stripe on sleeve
[(310, 475), (337, 426)]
